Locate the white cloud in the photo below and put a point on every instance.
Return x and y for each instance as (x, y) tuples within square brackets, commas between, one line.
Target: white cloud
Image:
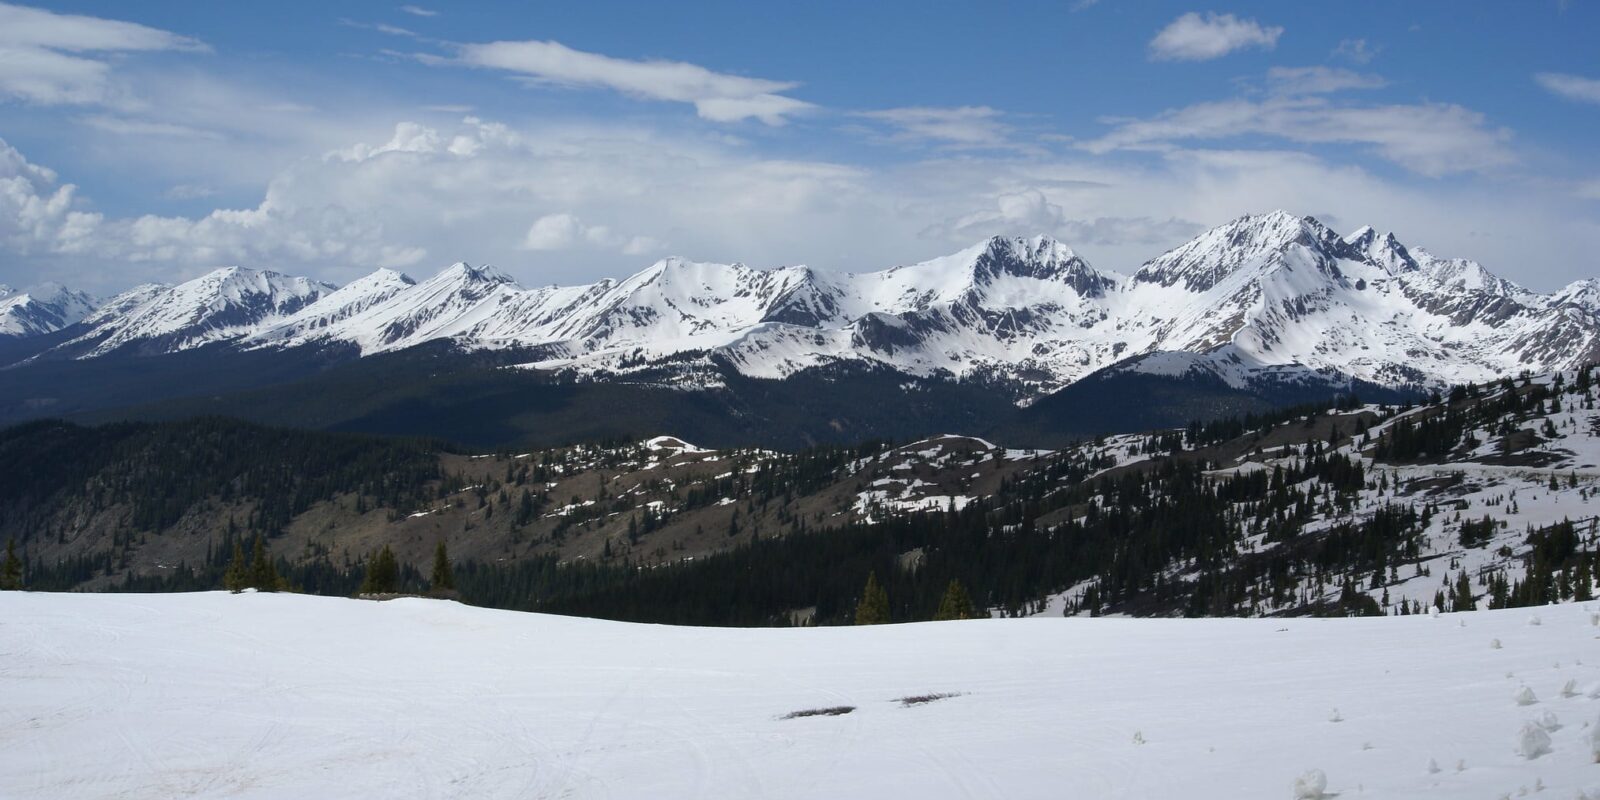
[(188, 191), (716, 96), (977, 126), (565, 231), (1192, 37), (420, 197), (1356, 50), (1571, 87), (380, 27), (124, 126), (1030, 212), (1319, 80), (1431, 139), (43, 61), (419, 11), (39, 218), (409, 137)]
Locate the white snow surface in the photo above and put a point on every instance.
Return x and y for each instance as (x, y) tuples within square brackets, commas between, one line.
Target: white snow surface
[(289, 696), (1261, 295)]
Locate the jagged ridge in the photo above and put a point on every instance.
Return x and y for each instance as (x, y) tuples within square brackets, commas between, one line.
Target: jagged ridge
[(1271, 293)]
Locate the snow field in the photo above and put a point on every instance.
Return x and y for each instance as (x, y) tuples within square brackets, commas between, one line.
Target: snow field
[(268, 696)]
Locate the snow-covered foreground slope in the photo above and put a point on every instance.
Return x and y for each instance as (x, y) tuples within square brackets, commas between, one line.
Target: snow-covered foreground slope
[(269, 696)]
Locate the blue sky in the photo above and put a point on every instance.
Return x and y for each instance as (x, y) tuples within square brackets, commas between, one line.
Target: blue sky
[(564, 142)]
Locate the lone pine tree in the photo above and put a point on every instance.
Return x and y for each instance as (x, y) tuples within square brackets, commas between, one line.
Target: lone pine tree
[(442, 578), (874, 606), (237, 576), (956, 603), (11, 570), (263, 574), (382, 573)]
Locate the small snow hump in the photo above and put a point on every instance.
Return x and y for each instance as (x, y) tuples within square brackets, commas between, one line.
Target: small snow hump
[(1532, 741), (1524, 696), (1311, 785)]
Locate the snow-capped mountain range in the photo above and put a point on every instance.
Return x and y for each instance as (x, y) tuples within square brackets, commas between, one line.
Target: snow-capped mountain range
[(1265, 294), (43, 309)]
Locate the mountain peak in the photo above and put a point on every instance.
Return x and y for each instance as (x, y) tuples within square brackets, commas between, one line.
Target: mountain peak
[(1040, 257), (1257, 240), (1385, 251), (41, 309), (1361, 236), (462, 271), (384, 274)]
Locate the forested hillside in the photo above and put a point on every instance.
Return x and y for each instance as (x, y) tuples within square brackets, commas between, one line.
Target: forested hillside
[(1480, 497)]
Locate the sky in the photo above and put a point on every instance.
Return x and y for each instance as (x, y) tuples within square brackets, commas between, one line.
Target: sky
[(567, 142)]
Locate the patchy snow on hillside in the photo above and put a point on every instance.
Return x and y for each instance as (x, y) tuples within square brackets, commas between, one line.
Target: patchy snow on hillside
[(275, 696)]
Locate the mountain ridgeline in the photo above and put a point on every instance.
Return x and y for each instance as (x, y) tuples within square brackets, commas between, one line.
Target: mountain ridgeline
[(1023, 333), (1485, 495)]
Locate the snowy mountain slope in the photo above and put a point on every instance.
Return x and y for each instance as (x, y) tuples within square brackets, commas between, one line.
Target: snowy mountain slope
[(279, 695), (1263, 294), (337, 306), (223, 305), (42, 309), (1281, 292)]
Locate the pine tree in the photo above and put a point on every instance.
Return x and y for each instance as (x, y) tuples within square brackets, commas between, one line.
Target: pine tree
[(874, 606), (443, 577), (237, 577), (263, 574), (956, 604), (382, 573), (11, 570), (1462, 601)]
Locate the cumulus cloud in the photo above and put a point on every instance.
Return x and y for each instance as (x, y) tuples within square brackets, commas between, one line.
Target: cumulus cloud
[(972, 126), (39, 217), (1193, 37), (45, 57), (421, 196), (427, 194), (565, 231), (36, 210), (1570, 87), (1431, 139), (716, 96)]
